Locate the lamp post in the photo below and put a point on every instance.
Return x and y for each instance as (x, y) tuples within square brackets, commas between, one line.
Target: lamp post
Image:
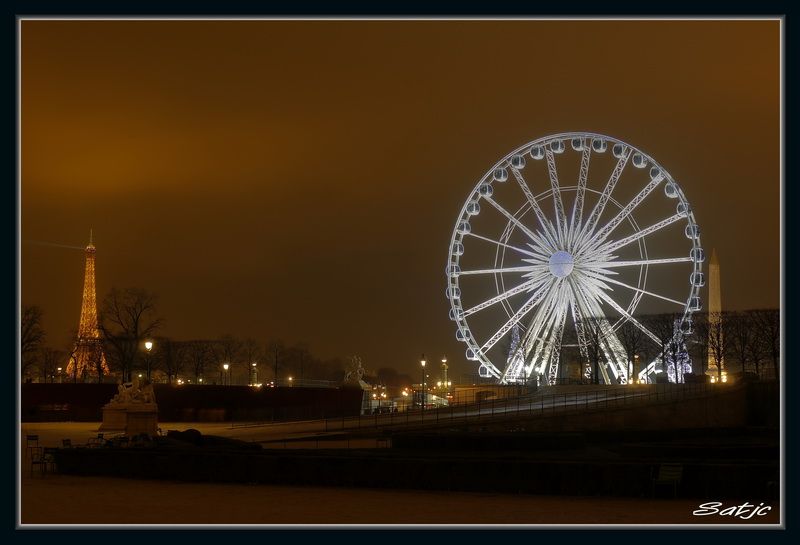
[(58, 369), (422, 363), (254, 379), (227, 376), (444, 375), (148, 346), (635, 368)]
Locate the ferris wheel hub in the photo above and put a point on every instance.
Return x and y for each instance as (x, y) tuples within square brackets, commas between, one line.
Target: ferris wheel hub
[(561, 264)]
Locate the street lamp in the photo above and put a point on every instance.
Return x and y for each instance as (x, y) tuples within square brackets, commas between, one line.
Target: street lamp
[(225, 366), (148, 346), (254, 373), (422, 363), (290, 381), (59, 374)]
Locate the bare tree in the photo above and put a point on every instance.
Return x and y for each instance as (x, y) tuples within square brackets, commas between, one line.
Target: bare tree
[(227, 350), (251, 354), (301, 357), (275, 351), (739, 336), (198, 356), (170, 356), (127, 318), (768, 324), (49, 359), (757, 348), (593, 336), (699, 340), (32, 337), (663, 327), (633, 341)]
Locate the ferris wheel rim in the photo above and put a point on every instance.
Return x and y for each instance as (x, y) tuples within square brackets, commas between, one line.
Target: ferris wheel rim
[(505, 162)]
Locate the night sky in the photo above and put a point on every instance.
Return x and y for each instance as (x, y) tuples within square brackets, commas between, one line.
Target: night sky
[(300, 179)]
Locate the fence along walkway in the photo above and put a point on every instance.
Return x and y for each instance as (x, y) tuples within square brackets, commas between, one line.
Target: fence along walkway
[(540, 404)]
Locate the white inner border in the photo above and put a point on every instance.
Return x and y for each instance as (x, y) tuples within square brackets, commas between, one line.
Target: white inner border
[(18, 519)]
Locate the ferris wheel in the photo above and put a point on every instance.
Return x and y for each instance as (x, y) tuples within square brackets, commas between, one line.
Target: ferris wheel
[(568, 230)]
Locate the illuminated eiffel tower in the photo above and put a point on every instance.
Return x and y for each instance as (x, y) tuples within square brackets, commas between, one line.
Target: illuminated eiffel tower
[(88, 352)]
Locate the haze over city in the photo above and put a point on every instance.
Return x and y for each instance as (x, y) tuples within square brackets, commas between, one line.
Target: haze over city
[(300, 180)]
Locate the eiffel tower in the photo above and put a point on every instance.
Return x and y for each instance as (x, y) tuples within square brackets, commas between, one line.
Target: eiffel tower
[(88, 351)]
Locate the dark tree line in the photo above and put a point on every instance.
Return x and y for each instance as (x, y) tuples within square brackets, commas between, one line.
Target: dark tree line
[(735, 342), (129, 322), (744, 341)]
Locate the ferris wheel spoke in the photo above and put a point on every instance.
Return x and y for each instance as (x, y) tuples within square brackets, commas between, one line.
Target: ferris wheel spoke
[(522, 227), (577, 207), (509, 246), (558, 204), (537, 322), (625, 212), (594, 217), (642, 233), (547, 336), (525, 269), (613, 304), (533, 283), (624, 285), (608, 343), (537, 331), (516, 317), (517, 358), (548, 230), (578, 324), (554, 355), (616, 264)]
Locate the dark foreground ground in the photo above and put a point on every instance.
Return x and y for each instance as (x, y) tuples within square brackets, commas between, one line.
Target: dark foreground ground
[(64, 499), (74, 499)]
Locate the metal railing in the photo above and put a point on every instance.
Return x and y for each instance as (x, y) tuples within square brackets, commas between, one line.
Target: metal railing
[(543, 403)]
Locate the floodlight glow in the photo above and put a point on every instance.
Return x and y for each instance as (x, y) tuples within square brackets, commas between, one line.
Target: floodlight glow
[(571, 255)]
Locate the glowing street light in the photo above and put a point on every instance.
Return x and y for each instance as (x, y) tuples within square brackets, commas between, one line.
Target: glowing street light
[(225, 366), (422, 363), (148, 346)]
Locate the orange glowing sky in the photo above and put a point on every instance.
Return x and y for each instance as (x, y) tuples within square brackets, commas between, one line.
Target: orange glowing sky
[(300, 179)]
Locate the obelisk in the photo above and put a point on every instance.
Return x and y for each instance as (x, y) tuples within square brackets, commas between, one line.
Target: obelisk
[(714, 315)]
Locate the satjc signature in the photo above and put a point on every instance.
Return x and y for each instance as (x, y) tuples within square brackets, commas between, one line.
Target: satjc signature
[(744, 511)]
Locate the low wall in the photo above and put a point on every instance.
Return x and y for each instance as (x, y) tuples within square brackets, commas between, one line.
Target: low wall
[(383, 469), (192, 403)]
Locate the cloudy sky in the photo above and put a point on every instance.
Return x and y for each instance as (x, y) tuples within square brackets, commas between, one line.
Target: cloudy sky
[(301, 179)]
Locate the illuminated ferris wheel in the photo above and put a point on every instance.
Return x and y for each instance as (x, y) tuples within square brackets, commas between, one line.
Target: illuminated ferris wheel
[(567, 232)]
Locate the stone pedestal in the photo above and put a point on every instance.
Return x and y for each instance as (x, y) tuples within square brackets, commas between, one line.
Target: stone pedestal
[(130, 418), (115, 417)]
